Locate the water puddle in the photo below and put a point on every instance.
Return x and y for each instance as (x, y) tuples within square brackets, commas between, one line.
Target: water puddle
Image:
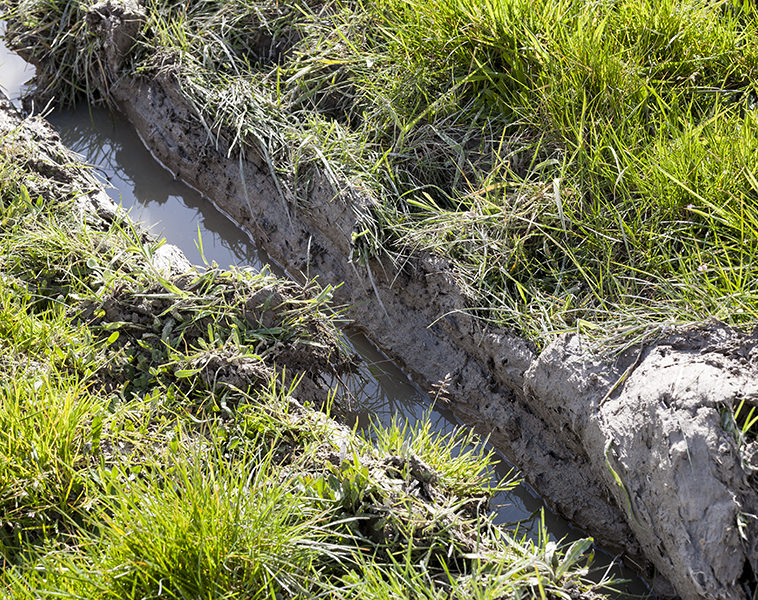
[(170, 208), (15, 72), (167, 206)]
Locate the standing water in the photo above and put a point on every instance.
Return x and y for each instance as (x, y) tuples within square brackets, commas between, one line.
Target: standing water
[(171, 209)]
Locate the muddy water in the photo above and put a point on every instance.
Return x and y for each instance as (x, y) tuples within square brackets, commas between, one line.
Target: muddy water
[(14, 70), (171, 209), (380, 391)]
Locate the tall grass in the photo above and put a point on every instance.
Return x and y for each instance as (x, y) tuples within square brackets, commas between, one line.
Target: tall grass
[(637, 202), (151, 444), (584, 165), (580, 162)]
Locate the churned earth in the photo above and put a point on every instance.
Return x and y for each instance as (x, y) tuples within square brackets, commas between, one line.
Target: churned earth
[(165, 431)]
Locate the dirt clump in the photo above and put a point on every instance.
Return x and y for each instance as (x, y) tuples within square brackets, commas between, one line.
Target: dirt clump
[(237, 330), (657, 432), (116, 24)]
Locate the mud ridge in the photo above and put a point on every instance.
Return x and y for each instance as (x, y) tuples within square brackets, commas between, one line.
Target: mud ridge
[(544, 411), (386, 499), (631, 448)]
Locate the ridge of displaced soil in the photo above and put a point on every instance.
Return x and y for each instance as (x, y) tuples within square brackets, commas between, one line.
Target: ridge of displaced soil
[(630, 447), (545, 412), (227, 450), (482, 370)]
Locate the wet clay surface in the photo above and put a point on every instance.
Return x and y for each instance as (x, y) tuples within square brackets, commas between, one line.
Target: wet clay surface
[(661, 432)]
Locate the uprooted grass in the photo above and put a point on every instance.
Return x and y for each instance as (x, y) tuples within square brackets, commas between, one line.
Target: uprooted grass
[(584, 165), (150, 444)]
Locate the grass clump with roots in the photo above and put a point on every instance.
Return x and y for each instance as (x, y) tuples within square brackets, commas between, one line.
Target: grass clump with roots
[(583, 165), (151, 442)]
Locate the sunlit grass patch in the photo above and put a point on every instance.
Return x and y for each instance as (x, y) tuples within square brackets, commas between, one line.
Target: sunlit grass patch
[(458, 459), (154, 441), (584, 165), (222, 530), (46, 417), (636, 120)]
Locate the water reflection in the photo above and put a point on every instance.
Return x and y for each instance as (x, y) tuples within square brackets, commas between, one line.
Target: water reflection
[(168, 206), (15, 72)]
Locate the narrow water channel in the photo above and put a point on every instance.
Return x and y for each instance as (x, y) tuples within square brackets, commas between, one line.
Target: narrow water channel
[(380, 390), (175, 211)]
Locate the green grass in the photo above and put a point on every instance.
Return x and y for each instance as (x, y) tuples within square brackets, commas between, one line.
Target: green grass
[(454, 458), (151, 444), (585, 166)]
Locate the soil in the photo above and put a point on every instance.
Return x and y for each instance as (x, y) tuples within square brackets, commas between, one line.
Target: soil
[(295, 341), (631, 447)]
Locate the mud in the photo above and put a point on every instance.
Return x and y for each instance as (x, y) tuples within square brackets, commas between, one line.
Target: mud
[(482, 369), (292, 339), (394, 504), (631, 447)]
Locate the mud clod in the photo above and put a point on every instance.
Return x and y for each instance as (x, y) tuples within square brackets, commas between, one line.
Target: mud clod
[(116, 23)]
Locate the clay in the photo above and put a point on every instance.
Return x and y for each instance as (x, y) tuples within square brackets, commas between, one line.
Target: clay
[(116, 23), (631, 447), (685, 492)]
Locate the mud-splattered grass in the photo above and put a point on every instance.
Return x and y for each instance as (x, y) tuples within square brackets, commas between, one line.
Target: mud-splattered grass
[(586, 166), (155, 440)]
